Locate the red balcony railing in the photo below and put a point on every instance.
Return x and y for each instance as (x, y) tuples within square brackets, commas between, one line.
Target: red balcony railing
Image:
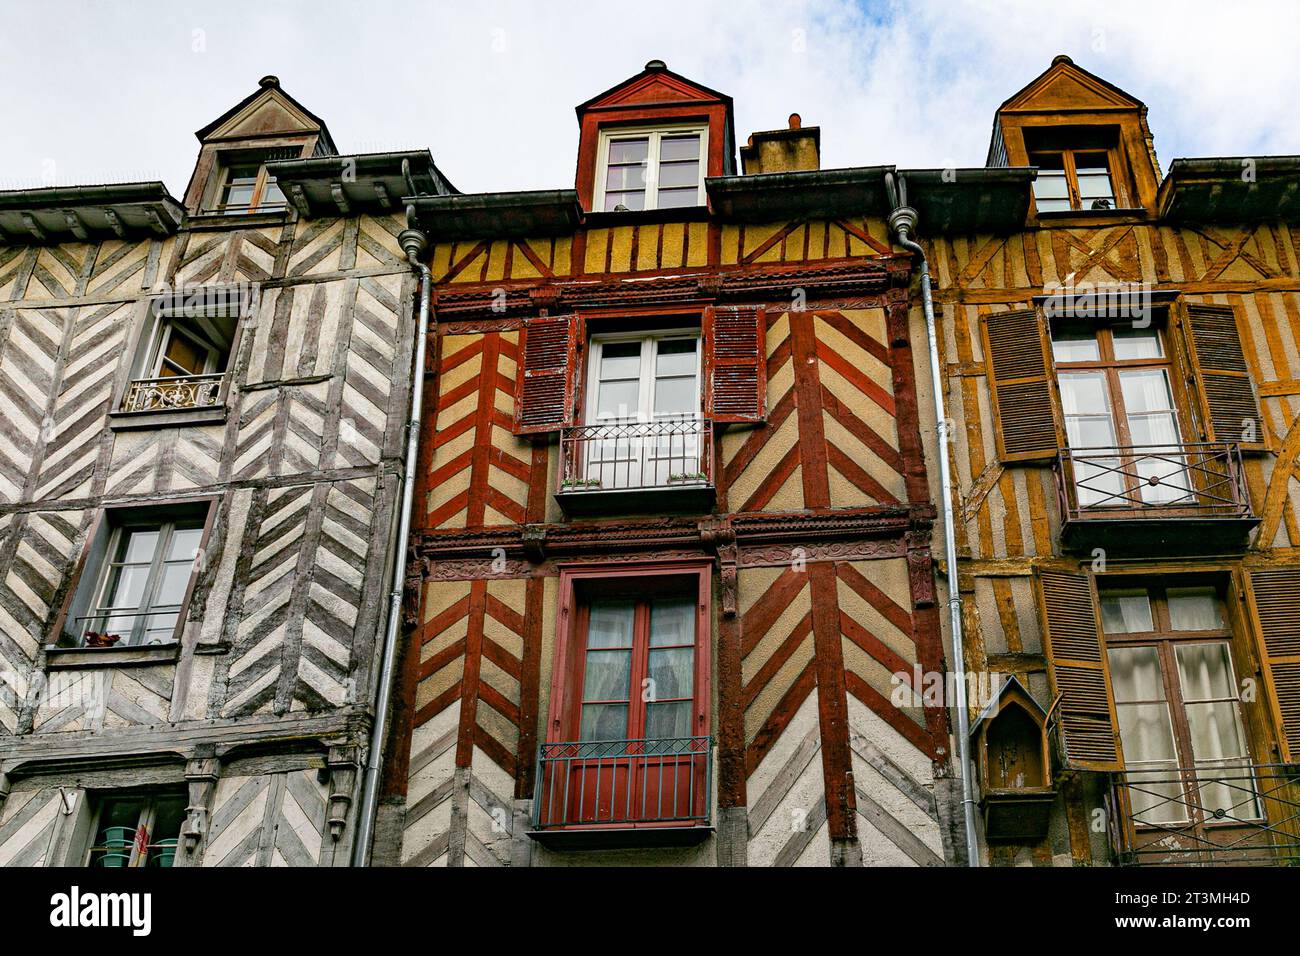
[(1204, 480), (624, 783)]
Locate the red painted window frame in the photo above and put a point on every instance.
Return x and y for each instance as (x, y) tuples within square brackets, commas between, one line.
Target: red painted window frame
[(566, 688)]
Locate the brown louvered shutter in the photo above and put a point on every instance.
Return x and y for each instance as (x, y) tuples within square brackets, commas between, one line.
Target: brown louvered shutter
[(545, 376), (1275, 599), (1079, 671), (1229, 407), (735, 364), (1020, 379)]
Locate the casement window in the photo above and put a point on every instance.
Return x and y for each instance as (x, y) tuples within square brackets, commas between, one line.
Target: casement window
[(183, 358), (1088, 382), (628, 741), (642, 380), (1073, 179), (1117, 402), (1149, 661), (136, 577), (643, 411), (1186, 749), (136, 829), (144, 582), (243, 184), (642, 169)]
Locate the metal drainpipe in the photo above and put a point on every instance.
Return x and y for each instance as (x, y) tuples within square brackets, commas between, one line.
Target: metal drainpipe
[(903, 222), (413, 243)]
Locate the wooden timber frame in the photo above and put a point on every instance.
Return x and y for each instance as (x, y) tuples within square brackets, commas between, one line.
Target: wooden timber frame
[(819, 541)]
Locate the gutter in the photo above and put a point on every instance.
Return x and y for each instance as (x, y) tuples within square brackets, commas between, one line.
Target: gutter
[(414, 244), (903, 222)]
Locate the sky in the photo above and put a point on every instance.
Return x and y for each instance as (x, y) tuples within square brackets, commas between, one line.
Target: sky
[(99, 92)]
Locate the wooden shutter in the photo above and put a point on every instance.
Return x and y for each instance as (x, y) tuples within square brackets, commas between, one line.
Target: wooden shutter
[(1020, 379), (1080, 674), (546, 374), (735, 363), (1228, 403), (1273, 598)]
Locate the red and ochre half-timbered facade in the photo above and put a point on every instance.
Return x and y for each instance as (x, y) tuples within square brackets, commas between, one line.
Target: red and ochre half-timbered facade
[(670, 560)]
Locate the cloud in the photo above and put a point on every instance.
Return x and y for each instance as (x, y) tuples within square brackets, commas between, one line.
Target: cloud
[(100, 92)]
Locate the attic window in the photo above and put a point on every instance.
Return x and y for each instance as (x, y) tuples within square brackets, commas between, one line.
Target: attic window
[(244, 185), (651, 168)]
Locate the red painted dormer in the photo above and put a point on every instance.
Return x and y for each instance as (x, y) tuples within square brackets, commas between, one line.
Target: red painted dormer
[(649, 142)]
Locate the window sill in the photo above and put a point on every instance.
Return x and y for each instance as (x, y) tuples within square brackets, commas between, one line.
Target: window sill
[(212, 219), (172, 418), (64, 658), (1090, 217), (614, 838)]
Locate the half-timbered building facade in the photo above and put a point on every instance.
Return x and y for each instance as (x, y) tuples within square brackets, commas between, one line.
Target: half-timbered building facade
[(673, 538), (202, 410), (1120, 355)]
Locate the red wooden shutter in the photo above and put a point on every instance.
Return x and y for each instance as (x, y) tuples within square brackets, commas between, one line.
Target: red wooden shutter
[(1229, 408), (1079, 670), (735, 367), (1275, 602), (546, 373), (1020, 379)]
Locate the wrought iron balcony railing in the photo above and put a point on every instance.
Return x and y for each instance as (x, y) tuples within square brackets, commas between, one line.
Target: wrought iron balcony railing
[(1242, 814), (624, 783), (636, 456), (172, 392), (1203, 480)]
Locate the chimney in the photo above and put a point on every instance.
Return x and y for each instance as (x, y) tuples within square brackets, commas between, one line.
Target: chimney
[(783, 150)]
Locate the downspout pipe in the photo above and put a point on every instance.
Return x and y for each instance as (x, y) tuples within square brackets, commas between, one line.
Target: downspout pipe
[(414, 243), (903, 223)]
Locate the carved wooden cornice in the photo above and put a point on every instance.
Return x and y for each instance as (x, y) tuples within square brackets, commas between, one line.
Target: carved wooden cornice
[(869, 279)]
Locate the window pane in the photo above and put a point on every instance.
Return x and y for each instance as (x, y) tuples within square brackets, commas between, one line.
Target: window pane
[(676, 357), (672, 622), (610, 624), (184, 544), (625, 178), (629, 150), (1146, 390), (1084, 393), (618, 400), (679, 198), (607, 676), (1135, 674), (668, 720), (1075, 345), (140, 546), (1126, 612), (675, 397), (1205, 671), (603, 722), (633, 201), (671, 670), (679, 147), (1195, 609), (679, 174), (1131, 343)]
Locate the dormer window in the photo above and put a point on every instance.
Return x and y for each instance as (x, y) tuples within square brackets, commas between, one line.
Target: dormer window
[(651, 168), (1073, 179), (244, 185)]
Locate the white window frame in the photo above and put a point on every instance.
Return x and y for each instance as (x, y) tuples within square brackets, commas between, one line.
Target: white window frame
[(655, 134), (645, 391)]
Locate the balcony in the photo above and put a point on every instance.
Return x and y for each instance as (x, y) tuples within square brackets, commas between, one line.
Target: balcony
[(617, 793), (620, 467), (1167, 499), (173, 392), (1247, 815)]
